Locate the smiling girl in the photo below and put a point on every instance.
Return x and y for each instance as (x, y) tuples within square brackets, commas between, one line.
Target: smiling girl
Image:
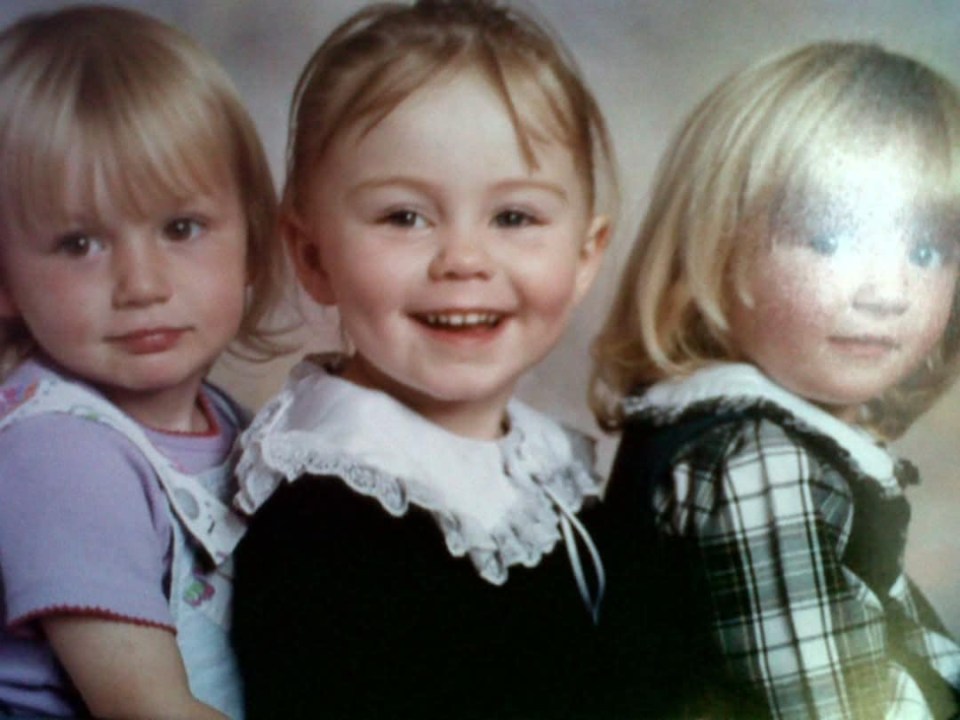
[(416, 535), (789, 307), (136, 241)]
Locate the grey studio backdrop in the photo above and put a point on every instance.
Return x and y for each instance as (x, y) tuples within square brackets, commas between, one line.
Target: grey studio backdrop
[(648, 62)]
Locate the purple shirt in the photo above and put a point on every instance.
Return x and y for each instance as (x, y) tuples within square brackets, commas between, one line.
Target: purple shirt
[(85, 528)]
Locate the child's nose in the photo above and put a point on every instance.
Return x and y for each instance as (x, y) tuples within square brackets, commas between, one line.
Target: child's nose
[(461, 253), (883, 287), (140, 276)]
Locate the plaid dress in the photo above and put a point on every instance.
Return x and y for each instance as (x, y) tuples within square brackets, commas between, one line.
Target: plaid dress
[(789, 527)]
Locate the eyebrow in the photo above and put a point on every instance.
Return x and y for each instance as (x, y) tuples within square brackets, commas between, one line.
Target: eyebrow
[(945, 214), (425, 186), (826, 207)]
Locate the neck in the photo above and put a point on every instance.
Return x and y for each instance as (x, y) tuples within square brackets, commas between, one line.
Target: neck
[(179, 411), (476, 418), (466, 420)]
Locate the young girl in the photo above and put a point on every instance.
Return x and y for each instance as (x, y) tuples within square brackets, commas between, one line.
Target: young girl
[(136, 240), (416, 550), (788, 308)]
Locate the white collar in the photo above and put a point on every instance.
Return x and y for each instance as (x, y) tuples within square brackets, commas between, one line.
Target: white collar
[(740, 385), (494, 500)]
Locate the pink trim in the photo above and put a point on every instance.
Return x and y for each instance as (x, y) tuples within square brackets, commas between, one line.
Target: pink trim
[(209, 414), (92, 612)]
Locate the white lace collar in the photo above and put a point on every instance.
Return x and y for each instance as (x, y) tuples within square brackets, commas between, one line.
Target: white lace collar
[(495, 501), (733, 385)]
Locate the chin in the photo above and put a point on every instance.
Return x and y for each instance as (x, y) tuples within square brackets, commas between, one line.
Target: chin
[(841, 403), (462, 396)]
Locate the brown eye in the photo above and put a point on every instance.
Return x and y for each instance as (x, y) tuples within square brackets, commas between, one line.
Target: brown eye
[(182, 229), (513, 219), (79, 245), (404, 219)]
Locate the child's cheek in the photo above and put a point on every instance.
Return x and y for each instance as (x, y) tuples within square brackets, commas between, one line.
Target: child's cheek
[(551, 294)]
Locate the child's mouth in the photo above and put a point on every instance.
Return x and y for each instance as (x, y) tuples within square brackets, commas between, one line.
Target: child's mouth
[(460, 320)]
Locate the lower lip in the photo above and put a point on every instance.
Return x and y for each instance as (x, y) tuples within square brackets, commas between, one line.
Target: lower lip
[(148, 343), (866, 349), (471, 334)]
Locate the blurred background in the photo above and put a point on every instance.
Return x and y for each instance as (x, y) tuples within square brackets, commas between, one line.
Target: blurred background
[(648, 62)]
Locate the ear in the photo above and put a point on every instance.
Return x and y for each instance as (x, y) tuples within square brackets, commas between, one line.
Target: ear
[(591, 254), (304, 246)]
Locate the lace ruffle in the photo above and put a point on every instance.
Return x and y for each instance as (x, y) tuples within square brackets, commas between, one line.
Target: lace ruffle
[(281, 446), (741, 388)]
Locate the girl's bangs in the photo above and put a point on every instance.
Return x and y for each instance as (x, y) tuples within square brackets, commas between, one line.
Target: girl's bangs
[(925, 152), (900, 107), (132, 163)]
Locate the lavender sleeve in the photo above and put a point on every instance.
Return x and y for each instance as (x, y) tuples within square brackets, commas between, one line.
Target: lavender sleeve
[(84, 525)]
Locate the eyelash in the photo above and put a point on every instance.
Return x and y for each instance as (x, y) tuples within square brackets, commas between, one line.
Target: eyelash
[(81, 244), (514, 218), (942, 254), (402, 218), (78, 244), (924, 253), (172, 229), (504, 219), (825, 244)]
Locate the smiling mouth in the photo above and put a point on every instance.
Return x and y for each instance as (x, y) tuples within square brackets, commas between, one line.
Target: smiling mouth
[(460, 320)]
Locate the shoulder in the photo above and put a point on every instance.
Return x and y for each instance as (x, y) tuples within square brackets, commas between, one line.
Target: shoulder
[(309, 497), (759, 446), (773, 454), (733, 408), (717, 459), (60, 465), (756, 474), (83, 521), (67, 442), (315, 515), (707, 440), (747, 437), (318, 544)]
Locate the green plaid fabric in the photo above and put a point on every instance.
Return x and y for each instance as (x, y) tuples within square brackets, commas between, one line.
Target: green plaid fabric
[(769, 502)]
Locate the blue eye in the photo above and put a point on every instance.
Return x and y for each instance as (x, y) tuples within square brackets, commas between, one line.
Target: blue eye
[(928, 255), (824, 243)]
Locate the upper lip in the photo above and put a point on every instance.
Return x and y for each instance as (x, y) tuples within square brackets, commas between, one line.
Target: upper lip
[(881, 340), (144, 332)]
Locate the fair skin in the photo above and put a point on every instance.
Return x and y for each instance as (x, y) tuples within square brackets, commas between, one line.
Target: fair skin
[(124, 670), (140, 307), (855, 290), (454, 265)]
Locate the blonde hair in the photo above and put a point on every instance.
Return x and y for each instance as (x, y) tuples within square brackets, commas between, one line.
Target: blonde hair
[(146, 109), (754, 142), (383, 54)]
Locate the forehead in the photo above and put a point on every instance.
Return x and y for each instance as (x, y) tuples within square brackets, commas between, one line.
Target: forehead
[(455, 124), (872, 176), (892, 182)]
